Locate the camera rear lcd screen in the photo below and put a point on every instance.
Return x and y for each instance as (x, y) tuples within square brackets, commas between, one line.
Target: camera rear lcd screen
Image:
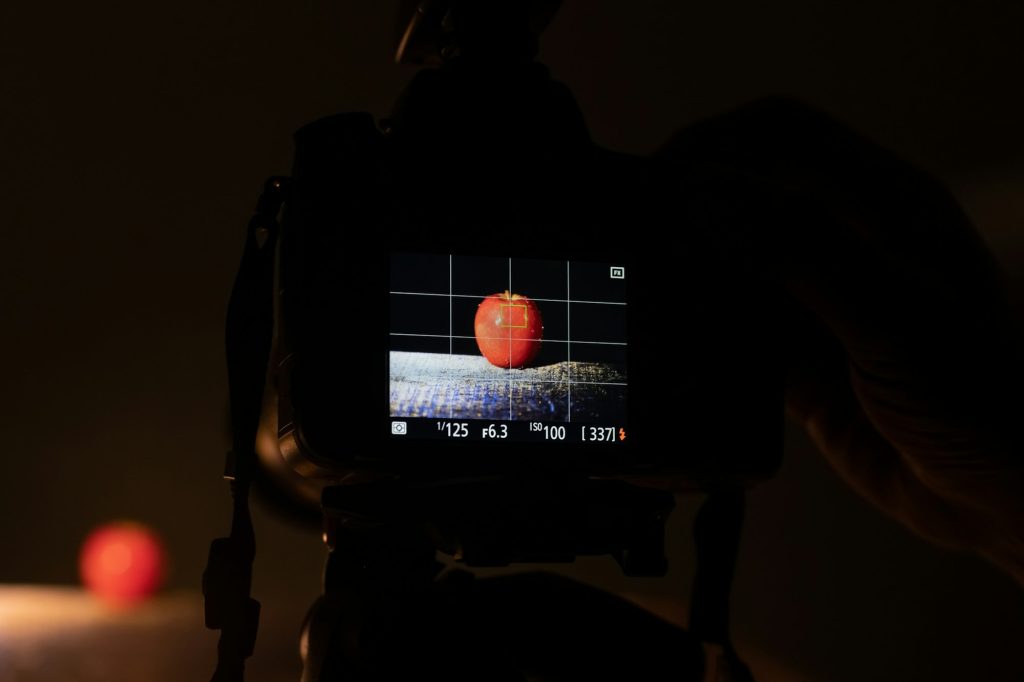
[(507, 349)]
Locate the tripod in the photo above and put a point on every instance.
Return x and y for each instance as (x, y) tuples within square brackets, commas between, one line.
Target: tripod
[(388, 612)]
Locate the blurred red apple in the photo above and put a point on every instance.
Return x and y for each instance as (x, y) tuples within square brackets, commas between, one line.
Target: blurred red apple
[(122, 563), (509, 329)]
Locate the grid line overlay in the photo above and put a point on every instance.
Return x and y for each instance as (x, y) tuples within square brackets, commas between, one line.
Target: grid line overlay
[(458, 336), (451, 330), (508, 376), (511, 382), (545, 300)]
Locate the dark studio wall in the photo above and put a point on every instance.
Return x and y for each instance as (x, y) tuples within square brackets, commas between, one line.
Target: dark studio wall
[(134, 139)]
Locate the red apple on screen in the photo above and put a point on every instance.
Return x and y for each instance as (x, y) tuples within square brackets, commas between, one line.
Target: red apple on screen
[(508, 330)]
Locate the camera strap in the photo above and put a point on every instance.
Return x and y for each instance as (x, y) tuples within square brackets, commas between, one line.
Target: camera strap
[(227, 580)]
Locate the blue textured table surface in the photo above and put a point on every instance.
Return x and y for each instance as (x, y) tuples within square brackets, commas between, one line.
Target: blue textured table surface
[(470, 387)]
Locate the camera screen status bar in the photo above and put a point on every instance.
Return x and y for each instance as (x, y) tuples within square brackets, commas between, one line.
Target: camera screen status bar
[(486, 430)]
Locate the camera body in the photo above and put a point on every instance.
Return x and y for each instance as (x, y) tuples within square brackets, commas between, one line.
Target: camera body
[(638, 328), (463, 326)]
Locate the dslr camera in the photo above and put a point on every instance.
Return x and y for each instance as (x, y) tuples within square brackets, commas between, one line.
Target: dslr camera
[(474, 288), (470, 328)]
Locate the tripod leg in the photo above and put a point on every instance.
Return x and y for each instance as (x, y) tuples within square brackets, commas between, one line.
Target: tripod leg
[(716, 535), (370, 575)]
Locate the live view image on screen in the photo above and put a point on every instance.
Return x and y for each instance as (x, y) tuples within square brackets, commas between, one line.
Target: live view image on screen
[(507, 340)]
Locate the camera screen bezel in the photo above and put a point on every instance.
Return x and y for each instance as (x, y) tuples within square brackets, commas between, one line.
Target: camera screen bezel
[(539, 427)]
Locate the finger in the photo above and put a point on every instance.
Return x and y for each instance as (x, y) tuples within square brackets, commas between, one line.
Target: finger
[(819, 397)]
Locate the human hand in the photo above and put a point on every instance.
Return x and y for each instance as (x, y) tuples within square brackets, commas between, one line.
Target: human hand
[(903, 359)]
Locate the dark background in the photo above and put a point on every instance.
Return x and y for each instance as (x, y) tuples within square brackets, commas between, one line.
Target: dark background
[(136, 136)]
